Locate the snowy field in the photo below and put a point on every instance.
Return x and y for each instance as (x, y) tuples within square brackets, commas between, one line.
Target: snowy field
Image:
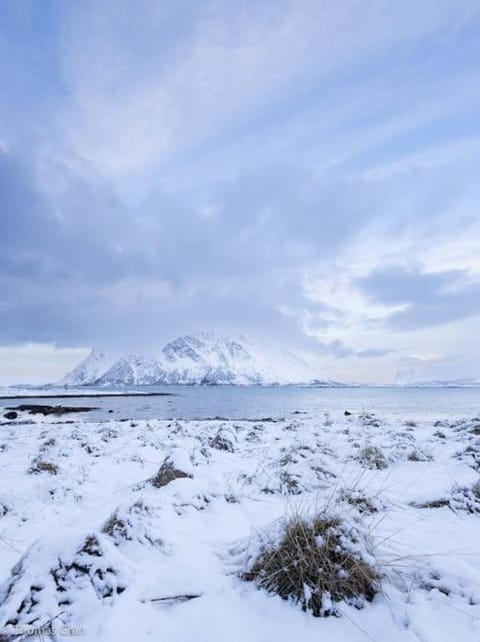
[(96, 544)]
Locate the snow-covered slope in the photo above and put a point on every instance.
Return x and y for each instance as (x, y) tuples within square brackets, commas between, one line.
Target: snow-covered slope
[(198, 358), (205, 357), (89, 370), (136, 370)]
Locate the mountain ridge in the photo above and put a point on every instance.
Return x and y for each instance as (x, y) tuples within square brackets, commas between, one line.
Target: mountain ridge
[(201, 358)]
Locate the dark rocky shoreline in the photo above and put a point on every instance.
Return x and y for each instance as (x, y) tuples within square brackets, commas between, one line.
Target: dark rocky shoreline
[(86, 395), (41, 409)]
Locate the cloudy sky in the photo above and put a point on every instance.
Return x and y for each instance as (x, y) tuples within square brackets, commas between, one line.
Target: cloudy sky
[(302, 171)]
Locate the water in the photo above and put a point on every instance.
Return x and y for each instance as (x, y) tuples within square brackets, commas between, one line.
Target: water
[(255, 402)]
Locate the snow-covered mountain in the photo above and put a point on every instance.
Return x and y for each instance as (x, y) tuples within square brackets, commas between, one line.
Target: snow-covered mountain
[(420, 379), (89, 370), (205, 357), (198, 358)]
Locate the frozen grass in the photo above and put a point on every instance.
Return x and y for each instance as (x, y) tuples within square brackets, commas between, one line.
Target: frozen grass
[(460, 498), (372, 457), (359, 500), (46, 585), (316, 564), (131, 523), (168, 473), (223, 440), (42, 466)]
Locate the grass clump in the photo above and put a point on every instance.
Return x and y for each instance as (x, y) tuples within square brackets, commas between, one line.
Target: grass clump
[(433, 503), (461, 498), (467, 498), (316, 564), (42, 466), (131, 523), (114, 526), (46, 585), (167, 473), (373, 458), (223, 440), (359, 500), (476, 489), (416, 455), (290, 484)]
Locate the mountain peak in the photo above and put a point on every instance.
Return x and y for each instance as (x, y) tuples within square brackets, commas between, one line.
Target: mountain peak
[(197, 358), (89, 370)]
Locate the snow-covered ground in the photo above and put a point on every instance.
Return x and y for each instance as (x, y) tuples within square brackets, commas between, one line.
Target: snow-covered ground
[(88, 542)]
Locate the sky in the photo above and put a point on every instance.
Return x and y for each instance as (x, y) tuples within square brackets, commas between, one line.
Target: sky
[(304, 172)]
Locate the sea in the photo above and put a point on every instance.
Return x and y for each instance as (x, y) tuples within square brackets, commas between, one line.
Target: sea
[(260, 402)]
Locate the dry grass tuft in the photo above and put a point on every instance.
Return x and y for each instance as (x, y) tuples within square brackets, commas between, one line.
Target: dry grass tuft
[(115, 525), (461, 498), (467, 498), (476, 489), (131, 523), (167, 473), (315, 565), (41, 466), (360, 501), (223, 441), (433, 503), (290, 483), (414, 456), (373, 458)]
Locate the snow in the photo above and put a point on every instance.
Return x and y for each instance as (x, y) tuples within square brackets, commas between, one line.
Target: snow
[(89, 370), (117, 546), (198, 358), (132, 370), (212, 358)]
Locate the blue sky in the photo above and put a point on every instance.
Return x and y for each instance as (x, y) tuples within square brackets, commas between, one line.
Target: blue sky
[(303, 172)]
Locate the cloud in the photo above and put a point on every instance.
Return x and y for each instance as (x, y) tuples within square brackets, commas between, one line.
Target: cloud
[(374, 353), (430, 299), (77, 263), (133, 106), (437, 155), (449, 367)]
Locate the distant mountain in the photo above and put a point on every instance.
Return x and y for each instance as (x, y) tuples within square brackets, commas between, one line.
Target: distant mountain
[(448, 383), (413, 378), (198, 358), (89, 370)]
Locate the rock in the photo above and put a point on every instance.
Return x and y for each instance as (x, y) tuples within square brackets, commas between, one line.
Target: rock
[(37, 409), (11, 414)]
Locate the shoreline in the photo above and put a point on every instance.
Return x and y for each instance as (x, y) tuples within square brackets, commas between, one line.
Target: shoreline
[(91, 396)]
